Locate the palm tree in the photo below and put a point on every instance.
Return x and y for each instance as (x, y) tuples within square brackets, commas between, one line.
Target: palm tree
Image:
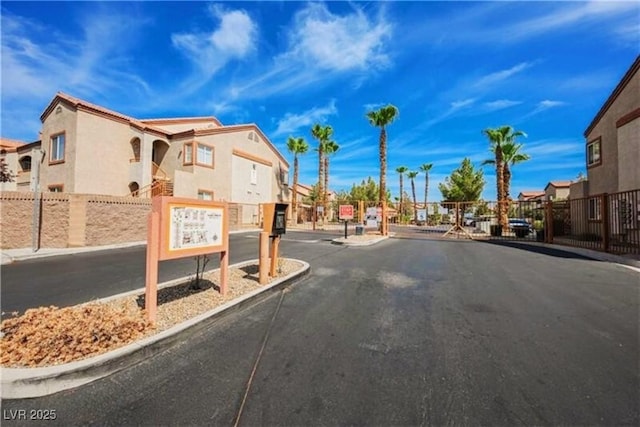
[(382, 118), (498, 137), (329, 148), (296, 146), (401, 171), (412, 176), (511, 156), (323, 135), (426, 167)]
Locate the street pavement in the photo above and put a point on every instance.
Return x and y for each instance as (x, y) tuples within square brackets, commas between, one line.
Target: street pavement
[(410, 331), (72, 279)]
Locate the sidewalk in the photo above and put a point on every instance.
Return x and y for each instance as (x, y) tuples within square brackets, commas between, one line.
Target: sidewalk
[(11, 255)]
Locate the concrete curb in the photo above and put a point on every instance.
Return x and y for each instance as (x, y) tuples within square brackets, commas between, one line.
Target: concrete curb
[(19, 383), (588, 253), (8, 258), (346, 242)]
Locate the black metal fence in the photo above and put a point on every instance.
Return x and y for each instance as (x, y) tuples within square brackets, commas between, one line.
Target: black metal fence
[(604, 222)]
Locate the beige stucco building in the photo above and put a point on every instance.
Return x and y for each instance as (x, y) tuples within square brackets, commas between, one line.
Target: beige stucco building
[(89, 149), (612, 152), (557, 190), (609, 199)]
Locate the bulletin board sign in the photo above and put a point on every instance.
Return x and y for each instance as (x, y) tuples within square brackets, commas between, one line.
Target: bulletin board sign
[(179, 228), (190, 227)]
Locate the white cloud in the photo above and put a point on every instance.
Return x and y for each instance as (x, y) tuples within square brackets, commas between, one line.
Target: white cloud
[(321, 46), (292, 122), (565, 16), (501, 104), (454, 107), (233, 39), (499, 76), (457, 105), (543, 106), (505, 23), (92, 64), (373, 106), (335, 42)]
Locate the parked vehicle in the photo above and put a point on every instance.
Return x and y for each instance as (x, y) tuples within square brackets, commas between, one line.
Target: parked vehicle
[(520, 227)]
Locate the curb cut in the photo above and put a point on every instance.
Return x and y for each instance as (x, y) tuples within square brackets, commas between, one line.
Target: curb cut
[(20, 383)]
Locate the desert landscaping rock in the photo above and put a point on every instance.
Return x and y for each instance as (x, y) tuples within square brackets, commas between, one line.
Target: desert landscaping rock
[(49, 336)]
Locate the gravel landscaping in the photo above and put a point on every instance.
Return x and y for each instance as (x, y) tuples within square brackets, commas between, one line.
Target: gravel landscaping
[(48, 336)]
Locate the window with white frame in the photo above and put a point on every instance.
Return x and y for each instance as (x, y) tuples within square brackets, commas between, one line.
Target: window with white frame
[(254, 174), (56, 149), (205, 195), (187, 159), (593, 153), (204, 155), (594, 209)]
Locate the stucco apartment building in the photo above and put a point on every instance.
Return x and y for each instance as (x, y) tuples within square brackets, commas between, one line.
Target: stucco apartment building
[(89, 149), (612, 159)]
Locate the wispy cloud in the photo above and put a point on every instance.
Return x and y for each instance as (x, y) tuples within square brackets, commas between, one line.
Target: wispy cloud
[(571, 14), (334, 42), (499, 76), (374, 106), (500, 104), (292, 122), (95, 64), (322, 44), (543, 106), (482, 23), (454, 107), (234, 39)]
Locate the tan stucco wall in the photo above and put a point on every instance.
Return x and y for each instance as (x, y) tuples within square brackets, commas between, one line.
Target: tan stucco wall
[(604, 178), (103, 152), (243, 191), (11, 159), (629, 155), (63, 120), (579, 189), (225, 176), (116, 221), (562, 193), (98, 220)]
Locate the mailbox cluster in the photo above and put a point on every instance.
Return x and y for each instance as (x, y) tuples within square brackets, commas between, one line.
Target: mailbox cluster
[(275, 218)]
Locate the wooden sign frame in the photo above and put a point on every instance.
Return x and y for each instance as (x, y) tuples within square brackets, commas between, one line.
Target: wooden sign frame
[(179, 228)]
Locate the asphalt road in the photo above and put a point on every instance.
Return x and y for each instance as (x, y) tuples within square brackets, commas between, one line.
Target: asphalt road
[(407, 332), (72, 279)]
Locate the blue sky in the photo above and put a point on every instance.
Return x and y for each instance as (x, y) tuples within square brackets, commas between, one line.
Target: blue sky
[(452, 69)]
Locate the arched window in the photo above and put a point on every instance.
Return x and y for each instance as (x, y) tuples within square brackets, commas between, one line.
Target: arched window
[(25, 163), (135, 147), (134, 188)]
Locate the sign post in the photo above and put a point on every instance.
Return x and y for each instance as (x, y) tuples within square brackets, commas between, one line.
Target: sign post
[(345, 213), (179, 228)]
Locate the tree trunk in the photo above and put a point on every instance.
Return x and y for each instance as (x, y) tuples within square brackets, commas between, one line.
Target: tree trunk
[(502, 218), (383, 179), (294, 201), (426, 192), (326, 187), (415, 203), (400, 207), (320, 174), (383, 166), (507, 181)]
